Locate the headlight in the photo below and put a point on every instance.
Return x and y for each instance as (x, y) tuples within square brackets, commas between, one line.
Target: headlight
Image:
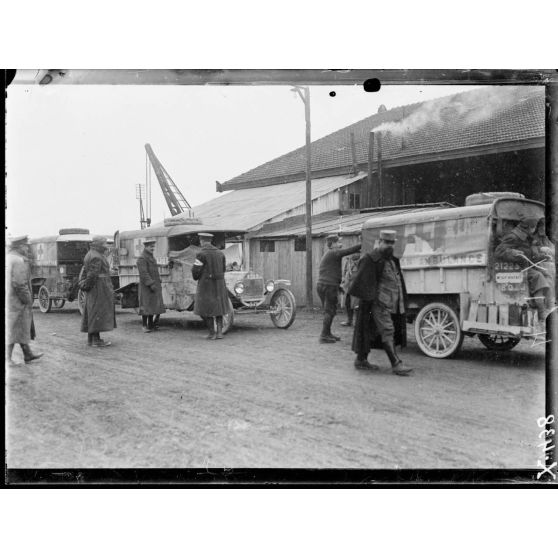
[(270, 286), (239, 288)]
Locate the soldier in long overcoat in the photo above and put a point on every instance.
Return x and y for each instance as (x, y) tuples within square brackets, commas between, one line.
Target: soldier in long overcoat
[(19, 301), (99, 313), (212, 300), (380, 319), (150, 289)]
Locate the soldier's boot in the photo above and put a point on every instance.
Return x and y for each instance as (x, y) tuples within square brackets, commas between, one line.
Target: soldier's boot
[(540, 301), (219, 321), (28, 355), (144, 323), (397, 366), (326, 336), (361, 363), (98, 342), (90, 339), (150, 323), (9, 351), (210, 327), (156, 322)]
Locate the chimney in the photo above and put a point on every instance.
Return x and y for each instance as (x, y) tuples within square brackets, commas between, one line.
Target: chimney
[(354, 168), (380, 186), (369, 198)]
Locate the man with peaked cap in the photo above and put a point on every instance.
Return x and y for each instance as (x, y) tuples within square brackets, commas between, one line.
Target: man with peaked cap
[(150, 289), (518, 247), (329, 280), (212, 299), (380, 320), (95, 282), (19, 301)]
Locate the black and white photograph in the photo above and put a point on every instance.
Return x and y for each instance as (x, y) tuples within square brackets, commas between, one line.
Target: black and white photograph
[(287, 270)]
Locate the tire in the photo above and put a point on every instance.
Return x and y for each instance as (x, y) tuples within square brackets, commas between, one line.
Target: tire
[(437, 331), (45, 304), (498, 342), (81, 301), (58, 303), (283, 302), (62, 232), (228, 319)]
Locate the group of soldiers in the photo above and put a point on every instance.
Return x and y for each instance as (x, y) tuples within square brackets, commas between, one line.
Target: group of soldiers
[(374, 284), (99, 314)]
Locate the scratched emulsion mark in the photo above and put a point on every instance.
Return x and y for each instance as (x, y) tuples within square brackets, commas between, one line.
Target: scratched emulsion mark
[(542, 334)]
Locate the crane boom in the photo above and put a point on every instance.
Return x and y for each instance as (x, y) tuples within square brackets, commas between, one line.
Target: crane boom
[(173, 196)]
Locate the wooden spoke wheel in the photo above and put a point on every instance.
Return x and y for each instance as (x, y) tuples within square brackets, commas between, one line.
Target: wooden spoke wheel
[(58, 303), (283, 309), (437, 331), (45, 303)]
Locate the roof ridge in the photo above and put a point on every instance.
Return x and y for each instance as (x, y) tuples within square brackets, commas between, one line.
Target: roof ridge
[(393, 115)]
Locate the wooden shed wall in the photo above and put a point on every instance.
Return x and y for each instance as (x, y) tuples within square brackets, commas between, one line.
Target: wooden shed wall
[(286, 263)]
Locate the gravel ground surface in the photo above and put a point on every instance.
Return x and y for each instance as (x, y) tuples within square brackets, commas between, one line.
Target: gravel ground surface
[(264, 397)]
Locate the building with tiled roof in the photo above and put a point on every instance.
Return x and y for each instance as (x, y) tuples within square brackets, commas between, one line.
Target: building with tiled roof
[(477, 122), (439, 151)]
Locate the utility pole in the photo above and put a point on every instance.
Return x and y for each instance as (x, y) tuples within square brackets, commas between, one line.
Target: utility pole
[(304, 94)]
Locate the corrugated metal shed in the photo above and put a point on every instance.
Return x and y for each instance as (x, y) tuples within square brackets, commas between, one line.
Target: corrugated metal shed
[(249, 209)]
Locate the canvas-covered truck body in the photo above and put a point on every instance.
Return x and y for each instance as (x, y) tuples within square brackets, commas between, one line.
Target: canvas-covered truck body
[(175, 251), (56, 262), (456, 286)]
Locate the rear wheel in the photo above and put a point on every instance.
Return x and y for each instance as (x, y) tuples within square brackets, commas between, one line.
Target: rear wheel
[(45, 304), (283, 308), (81, 301), (58, 303), (498, 342), (437, 331)]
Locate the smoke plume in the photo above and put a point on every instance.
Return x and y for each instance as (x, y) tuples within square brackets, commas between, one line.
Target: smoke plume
[(470, 108)]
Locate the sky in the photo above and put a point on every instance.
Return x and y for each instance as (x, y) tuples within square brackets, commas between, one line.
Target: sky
[(74, 153)]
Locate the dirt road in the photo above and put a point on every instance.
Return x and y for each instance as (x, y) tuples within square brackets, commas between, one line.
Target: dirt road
[(264, 397)]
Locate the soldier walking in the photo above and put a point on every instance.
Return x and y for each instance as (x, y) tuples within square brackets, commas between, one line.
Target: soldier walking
[(21, 328), (380, 319), (329, 280), (150, 289), (212, 300), (99, 314)]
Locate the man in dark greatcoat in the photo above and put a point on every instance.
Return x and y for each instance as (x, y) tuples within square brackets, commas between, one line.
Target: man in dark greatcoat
[(99, 314), (329, 280), (380, 319), (150, 290), (518, 247), (19, 302), (212, 300)]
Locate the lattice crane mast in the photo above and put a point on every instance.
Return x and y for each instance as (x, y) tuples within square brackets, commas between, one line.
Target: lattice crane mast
[(173, 196)]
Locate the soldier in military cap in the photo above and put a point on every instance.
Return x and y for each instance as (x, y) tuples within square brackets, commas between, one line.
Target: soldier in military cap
[(99, 314), (519, 247), (20, 324), (212, 300), (150, 289), (380, 319), (329, 280)]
